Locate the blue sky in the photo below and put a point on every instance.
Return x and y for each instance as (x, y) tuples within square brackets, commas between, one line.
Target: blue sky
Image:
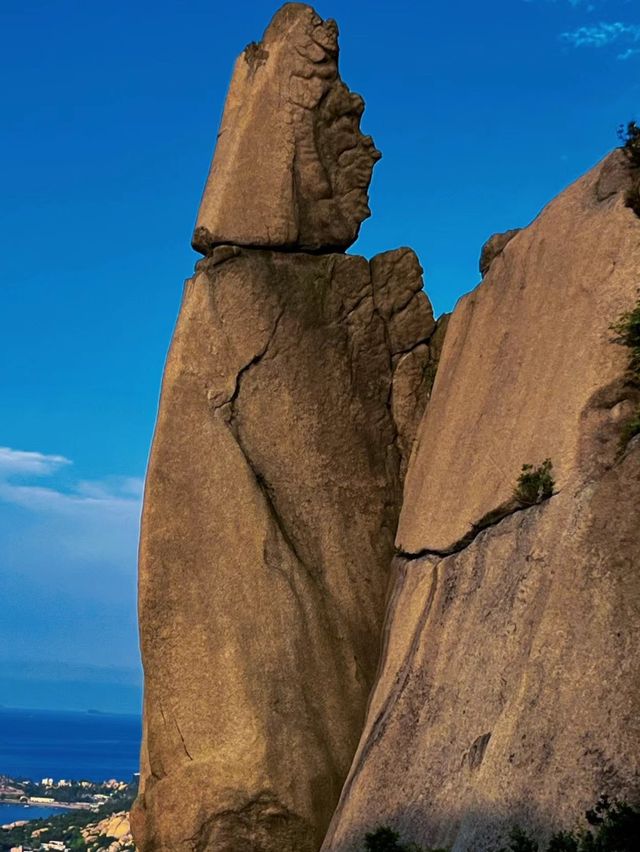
[(483, 112)]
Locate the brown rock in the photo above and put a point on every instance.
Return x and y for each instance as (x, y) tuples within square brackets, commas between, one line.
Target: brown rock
[(524, 355), (291, 168), (493, 247), (509, 689), (270, 508)]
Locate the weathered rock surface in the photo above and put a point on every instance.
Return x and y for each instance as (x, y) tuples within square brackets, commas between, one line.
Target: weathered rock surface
[(271, 504), (116, 827), (524, 355), (291, 168), (509, 689), (494, 247), (510, 686)]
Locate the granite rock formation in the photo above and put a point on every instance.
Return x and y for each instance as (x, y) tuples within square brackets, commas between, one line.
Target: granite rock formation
[(271, 505), (493, 248), (509, 687), (526, 354), (300, 388), (291, 168)]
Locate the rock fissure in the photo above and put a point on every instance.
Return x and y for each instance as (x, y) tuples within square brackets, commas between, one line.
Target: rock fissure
[(491, 519), (257, 358)]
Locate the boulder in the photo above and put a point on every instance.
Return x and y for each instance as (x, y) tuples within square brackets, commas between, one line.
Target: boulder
[(291, 168), (494, 247)]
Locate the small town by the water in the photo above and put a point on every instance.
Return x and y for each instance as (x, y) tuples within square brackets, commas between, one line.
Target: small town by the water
[(85, 815)]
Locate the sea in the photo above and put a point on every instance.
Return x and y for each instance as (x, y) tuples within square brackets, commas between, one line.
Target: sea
[(37, 744)]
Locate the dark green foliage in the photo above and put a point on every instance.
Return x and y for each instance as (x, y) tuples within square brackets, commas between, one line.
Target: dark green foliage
[(103, 841), (519, 841), (632, 198), (630, 138), (563, 841), (630, 429), (535, 484), (385, 839), (614, 827), (627, 329)]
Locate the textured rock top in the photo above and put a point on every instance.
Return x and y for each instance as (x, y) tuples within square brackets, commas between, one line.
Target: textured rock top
[(291, 168)]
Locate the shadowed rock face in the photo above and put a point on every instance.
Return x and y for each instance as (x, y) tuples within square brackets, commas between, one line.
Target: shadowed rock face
[(291, 168), (509, 689), (271, 504)]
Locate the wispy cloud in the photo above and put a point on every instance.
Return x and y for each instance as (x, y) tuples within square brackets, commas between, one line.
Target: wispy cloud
[(625, 36), (628, 53), (114, 496), (67, 559), (16, 462), (589, 5)]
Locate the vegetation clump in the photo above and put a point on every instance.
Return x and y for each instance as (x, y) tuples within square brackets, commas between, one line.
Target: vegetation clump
[(613, 827), (627, 329), (535, 484), (385, 839), (630, 138)]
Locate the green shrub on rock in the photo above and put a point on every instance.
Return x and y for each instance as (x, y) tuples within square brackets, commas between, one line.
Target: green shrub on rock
[(535, 484), (614, 827), (627, 330), (385, 839), (630, 138)]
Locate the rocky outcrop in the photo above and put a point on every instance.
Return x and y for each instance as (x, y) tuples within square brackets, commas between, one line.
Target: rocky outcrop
[(271, 504), (509, 684), (293, 404), (526, 354), (112, 834), (291, 168), (291, 398), (494, 247)]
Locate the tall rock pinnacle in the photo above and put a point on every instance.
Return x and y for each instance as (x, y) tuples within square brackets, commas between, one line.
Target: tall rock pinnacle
[(291, 396), (291, 168)]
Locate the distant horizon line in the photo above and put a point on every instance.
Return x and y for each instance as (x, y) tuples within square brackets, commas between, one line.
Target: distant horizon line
[(90, 711)]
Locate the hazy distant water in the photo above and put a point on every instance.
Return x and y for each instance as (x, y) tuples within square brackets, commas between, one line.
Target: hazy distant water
[(40, 744), (13, 813)]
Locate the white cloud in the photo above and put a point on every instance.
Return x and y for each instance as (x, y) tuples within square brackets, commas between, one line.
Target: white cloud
[(605, 34), (114, 494), (67, 560), (21, 462), (628, 53), (590, 5)]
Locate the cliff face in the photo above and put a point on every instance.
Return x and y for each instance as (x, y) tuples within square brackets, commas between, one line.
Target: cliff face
[(292, 408), (509, 683), (271, 503), (292, 392)]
